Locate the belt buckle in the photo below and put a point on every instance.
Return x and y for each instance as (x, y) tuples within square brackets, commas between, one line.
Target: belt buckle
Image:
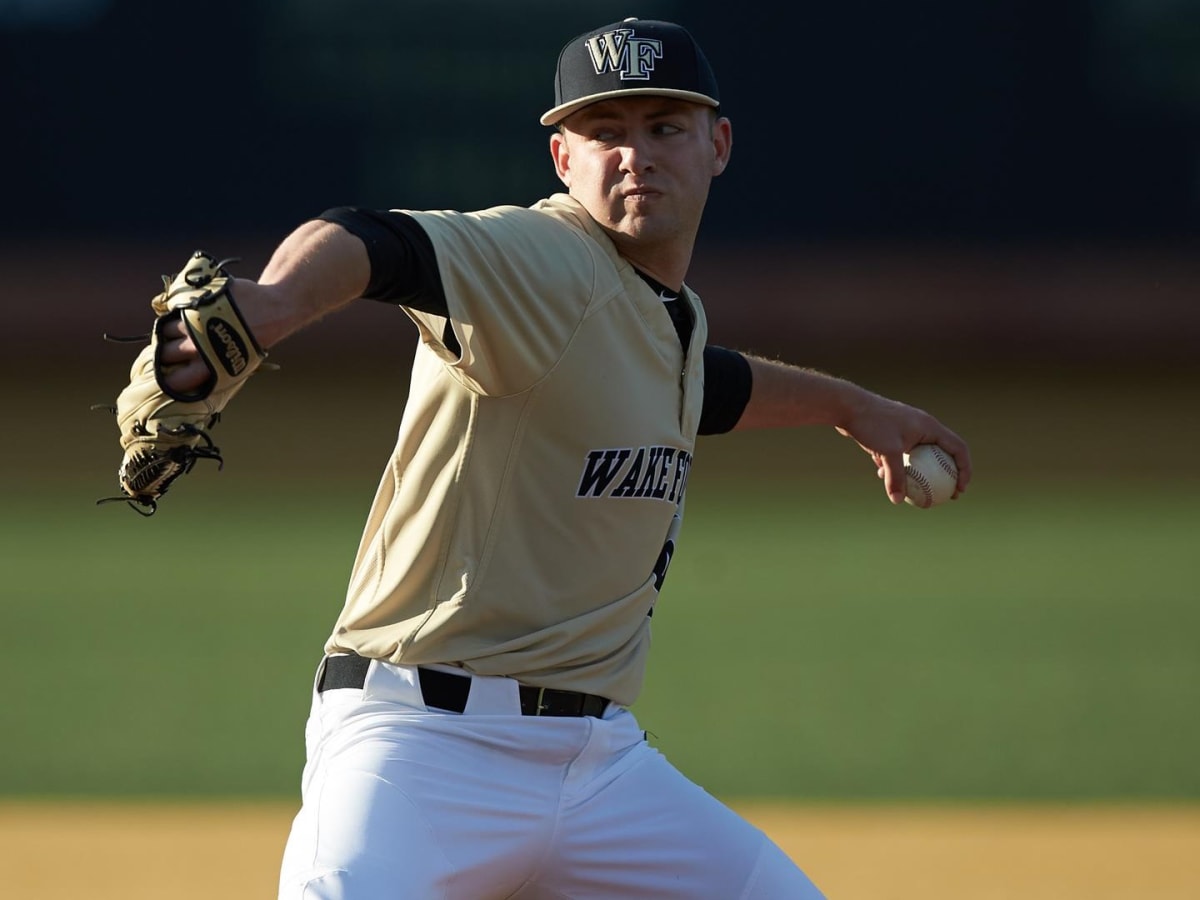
[(540, 705)]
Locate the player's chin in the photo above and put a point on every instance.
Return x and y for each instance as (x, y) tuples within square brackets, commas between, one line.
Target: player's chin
[(642, 224)]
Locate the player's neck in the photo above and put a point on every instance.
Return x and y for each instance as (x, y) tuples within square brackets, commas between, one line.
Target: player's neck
[(670, 269)]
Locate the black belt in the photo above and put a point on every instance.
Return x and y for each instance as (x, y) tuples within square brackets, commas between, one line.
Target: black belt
[(445, 690)]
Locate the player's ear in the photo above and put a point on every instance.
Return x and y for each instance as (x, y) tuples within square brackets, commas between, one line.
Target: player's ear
[(722, 133), (561, 154)]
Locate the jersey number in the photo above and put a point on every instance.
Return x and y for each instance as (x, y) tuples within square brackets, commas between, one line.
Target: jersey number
[(660, 567)]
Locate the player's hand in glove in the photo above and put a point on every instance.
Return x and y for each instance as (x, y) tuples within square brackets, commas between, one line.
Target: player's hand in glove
[(167, 411)]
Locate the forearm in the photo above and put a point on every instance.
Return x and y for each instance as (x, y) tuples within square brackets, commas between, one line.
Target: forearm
[(318, 268), (785, 396)]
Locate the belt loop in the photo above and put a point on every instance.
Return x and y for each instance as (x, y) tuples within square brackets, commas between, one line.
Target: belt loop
[(319, 678)]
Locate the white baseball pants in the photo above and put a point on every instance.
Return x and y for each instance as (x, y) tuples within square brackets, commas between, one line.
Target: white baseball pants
[(401, 801)]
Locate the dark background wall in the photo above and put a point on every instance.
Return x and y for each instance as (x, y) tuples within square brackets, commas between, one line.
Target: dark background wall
[(1016, 176), (999, 118)]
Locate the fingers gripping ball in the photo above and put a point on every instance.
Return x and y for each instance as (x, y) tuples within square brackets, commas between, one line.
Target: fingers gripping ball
[(932, 476), (165, 430)]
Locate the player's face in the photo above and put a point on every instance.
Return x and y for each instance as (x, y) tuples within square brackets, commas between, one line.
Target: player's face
[(642, 166)]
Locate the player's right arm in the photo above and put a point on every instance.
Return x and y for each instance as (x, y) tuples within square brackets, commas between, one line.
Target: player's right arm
[(784, 396), (320, 267)]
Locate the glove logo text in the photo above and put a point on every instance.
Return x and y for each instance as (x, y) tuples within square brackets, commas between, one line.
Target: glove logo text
[(233, 355)]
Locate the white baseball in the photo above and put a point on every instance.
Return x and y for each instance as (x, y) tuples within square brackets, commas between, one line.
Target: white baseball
[(932, 476)]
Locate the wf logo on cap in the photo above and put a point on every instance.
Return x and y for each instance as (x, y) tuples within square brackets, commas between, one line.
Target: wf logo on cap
[(630, 58), (619, 51)]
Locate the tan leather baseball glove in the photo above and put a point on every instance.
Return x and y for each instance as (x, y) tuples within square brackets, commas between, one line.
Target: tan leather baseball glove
[(163, 431)]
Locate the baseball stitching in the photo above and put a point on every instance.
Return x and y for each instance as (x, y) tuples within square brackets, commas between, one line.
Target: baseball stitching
[(944, 461), (922, 482)]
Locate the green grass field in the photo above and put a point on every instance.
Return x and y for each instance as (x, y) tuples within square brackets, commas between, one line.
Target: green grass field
[(1037, 640)]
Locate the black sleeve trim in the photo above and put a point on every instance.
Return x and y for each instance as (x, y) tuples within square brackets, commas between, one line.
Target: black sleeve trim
[(727, 384), (404, 267)]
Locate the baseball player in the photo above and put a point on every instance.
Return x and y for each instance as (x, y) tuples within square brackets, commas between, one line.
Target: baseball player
[(470, 734)]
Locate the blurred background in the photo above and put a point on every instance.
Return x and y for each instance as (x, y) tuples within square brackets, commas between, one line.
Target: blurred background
[(1020, 177), (989, 209)]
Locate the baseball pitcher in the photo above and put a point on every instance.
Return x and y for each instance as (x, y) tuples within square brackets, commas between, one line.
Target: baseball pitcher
[(470, 734)]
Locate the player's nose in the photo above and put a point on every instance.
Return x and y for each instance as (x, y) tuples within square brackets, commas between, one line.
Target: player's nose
[(636, 157)]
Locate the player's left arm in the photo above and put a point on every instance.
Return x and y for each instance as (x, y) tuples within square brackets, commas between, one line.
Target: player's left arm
[(316, 270), (786, 396)]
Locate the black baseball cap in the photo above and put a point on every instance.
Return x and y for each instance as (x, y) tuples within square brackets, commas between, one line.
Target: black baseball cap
[(630, 58)]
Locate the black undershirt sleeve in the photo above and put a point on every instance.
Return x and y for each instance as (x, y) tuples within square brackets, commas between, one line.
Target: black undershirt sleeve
[(727, 384), (404, 268)]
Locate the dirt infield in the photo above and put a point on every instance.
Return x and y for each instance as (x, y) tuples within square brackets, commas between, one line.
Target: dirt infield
[(151, 852)]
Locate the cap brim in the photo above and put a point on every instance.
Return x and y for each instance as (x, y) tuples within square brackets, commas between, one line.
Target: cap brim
[(558, 113)]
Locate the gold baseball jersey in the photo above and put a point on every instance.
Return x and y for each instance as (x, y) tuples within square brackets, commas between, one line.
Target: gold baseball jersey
[(535, 494)]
